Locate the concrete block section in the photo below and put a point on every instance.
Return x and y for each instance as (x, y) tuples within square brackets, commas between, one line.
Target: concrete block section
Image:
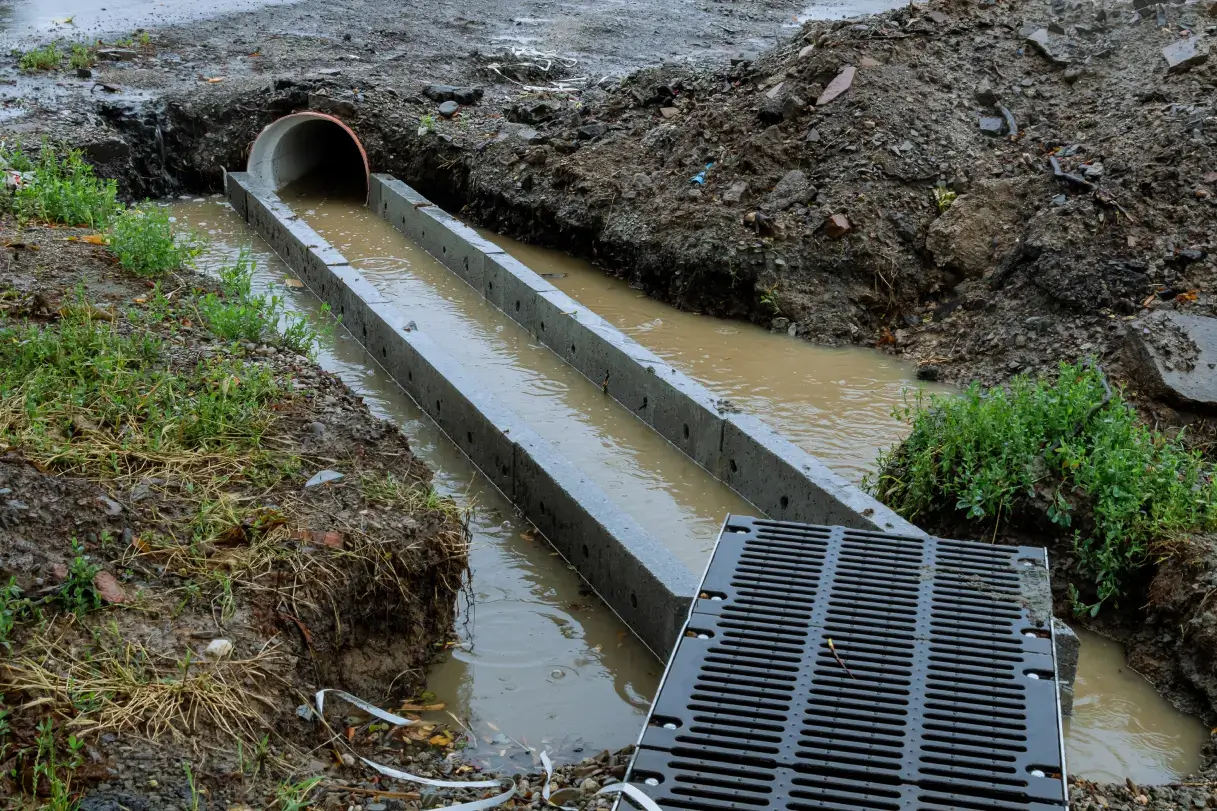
[(513, 288), (455, 244), (638, 578), (791, 485)]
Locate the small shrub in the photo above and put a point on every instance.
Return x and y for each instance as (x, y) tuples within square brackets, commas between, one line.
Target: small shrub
[(240, 315), (47, 57), (79, 595), (145, 242), (12, 606), (62, 190), (82, 56), (1118, 485)]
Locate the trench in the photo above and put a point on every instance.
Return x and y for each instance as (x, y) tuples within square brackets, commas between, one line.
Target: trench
[(542, 661)]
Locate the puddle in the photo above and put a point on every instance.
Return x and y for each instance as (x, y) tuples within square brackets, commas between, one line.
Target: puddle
[(840, 10), (646, 476), (1121, 727), (833, 403), (88, 18), (541, 661)]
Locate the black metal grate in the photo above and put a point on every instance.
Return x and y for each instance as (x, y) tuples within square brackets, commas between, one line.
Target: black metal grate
[(831, 668)]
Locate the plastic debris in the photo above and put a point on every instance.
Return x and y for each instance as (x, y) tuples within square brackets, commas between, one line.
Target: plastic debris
[(323, 477)]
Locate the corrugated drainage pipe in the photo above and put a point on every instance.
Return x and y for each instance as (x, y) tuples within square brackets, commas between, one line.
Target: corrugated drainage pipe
[(303, 144)]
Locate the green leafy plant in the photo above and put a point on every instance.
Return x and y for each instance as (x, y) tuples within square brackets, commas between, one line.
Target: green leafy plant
[(944, 198), (195, 794), (294, 796), (769, 299), (79, 595), (1071, 443), (48, 57), (49, 773), (146, 242), (12, 606), (82, 56), (239, 314), (144, 38), (426, 124), (61, 190)]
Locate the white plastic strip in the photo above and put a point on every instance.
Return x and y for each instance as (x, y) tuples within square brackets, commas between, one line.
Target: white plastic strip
[(633, 793), (361, 704)]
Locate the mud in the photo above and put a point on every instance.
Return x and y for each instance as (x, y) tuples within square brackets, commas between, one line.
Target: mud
[(354, 592)]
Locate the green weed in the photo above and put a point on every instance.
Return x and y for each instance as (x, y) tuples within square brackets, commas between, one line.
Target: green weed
[(82, 56), (47, 57), (144, 39), (12, 606), (294, 796), (57, 777), (195, 795), (407, 496), (769, 299), (1118, 485), (426, 124), (944, 199), (62, 190), (146, 242), (78, 594), (238, 314)]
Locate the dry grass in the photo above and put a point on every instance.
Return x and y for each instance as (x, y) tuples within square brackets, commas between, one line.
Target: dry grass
[(124, 686)]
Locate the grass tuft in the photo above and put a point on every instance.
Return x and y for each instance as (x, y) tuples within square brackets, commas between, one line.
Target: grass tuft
[(146, 242), (82, 56), (48, 57), (1070, 443), (61, 190)]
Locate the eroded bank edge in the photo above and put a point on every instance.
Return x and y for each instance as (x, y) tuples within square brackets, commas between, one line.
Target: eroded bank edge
[(640, 580), (780, 479)]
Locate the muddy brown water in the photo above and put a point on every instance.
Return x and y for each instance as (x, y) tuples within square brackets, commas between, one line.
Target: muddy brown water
[(542, 663), (834, 403)]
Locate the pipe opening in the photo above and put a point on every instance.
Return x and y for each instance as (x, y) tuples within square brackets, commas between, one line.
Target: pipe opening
[(313, 151)]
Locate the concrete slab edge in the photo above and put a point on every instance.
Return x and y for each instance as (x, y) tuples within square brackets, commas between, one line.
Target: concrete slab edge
[(639, 578), (780, 479)]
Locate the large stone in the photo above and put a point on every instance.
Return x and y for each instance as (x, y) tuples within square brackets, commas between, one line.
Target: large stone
[(794, 187), (1174, 357), (979, 230), (1185, 54), (837, 86)]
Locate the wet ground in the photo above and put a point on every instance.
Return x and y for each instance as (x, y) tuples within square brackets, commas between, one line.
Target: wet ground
[(536, 649)]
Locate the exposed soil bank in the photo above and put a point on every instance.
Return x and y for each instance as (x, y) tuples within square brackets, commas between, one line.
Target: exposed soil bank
[(184, 604)]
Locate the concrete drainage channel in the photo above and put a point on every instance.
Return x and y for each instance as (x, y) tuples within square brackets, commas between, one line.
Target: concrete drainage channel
[(636, 575)]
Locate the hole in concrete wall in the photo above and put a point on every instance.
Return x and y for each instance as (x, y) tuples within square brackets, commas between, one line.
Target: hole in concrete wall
[(734, 467), (785, 502), (437, 405), (384, 352), (586, 552), (644, 402), (469, 437), (410, 376), (541, 506), (572, 349), (633, 599), (314, 149), (517, 306), (542, 326), (686, 430)]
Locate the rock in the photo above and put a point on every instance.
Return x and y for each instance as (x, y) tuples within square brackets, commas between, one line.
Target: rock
[(928, 372), (84, 73), (108, 588), (791, 107), (775, 91), (867, 62), (806, 50), (794, 187), (329, 104), (565, 796), (1073, 73), (813, 136), (772, 111), (1185, 54), (1174, 357), (985, 94), (117, 54), (529, 136), (980, 229), (448, 109), (218, 649), (535, 113), (440, 92), (112, 507), (1059, 200), (592, 131), (467, 95), (992, 125), (736, 193), (107, 149), (837, 86), (323, 477), (938, 17), (838, 225), (669, 112), (589, 786)]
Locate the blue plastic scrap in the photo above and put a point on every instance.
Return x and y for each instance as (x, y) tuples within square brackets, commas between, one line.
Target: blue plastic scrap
[(700, 177)]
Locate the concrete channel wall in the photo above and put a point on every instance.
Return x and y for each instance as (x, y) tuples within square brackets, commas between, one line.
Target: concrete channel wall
[(779, 479), (633, 572)]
